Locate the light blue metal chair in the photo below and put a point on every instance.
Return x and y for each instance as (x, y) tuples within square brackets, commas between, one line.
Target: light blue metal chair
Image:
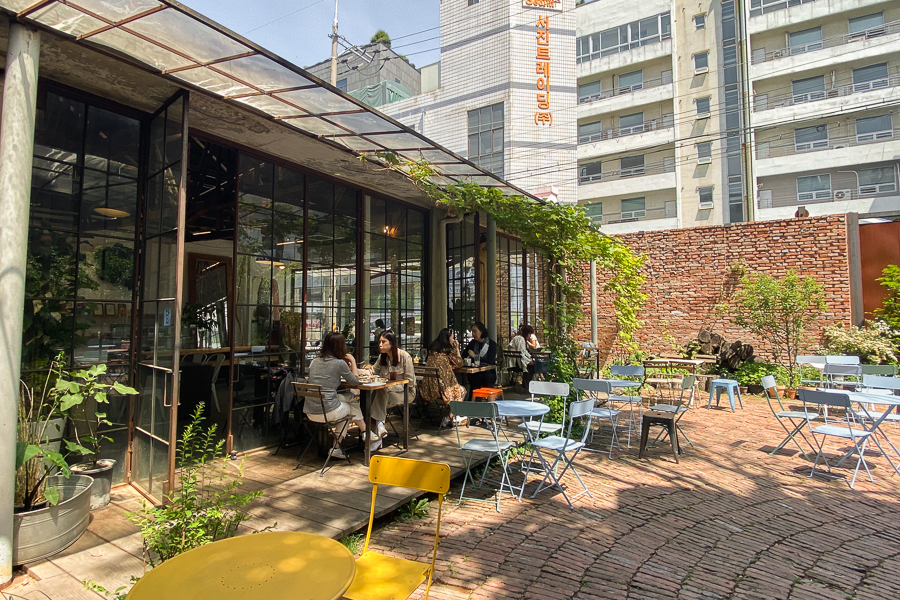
[(797, 418), (730, 386), (591, 389), (687, 387), (630, 396), (539, 389), (843, 429), (566, 450), (489, 445)]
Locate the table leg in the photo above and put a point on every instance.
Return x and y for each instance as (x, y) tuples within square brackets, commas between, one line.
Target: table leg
[(406, 416), (367, 417)]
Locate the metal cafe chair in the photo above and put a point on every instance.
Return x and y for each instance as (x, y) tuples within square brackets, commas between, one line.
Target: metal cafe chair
[(591, 388), (337, 427), (634, 401), (797, 418), (381, 577), (567, 450), (482, 444), (678, 409), (843, 429), (423, 406)]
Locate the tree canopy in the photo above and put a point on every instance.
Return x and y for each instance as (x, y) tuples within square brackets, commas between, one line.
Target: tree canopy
[(381, 36)]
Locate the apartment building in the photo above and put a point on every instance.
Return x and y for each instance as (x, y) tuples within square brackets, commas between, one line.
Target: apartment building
[(704, 113)]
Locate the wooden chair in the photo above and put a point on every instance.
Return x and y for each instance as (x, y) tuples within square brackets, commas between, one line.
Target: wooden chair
[(380, 577), (312, 392), (423, 373)]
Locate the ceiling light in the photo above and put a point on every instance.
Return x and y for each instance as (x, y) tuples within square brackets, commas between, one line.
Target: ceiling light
[(112, 213), (262, 259)]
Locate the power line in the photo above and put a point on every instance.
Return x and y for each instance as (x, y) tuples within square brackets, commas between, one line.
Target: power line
[(290, 14)]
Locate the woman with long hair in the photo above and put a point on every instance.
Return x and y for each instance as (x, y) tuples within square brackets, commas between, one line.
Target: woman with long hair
[(443, 354), (391, 359), (332, 366), (520, 359), (485, 350)]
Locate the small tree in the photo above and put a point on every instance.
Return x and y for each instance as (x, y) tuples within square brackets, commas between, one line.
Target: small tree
[(381, 36), (779, 311), (890, 306)]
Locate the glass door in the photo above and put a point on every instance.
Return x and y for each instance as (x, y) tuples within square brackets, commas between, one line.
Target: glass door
[(160, 301)]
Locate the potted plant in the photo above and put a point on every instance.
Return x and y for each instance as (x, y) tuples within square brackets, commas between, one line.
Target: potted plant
[(202, 319), (291, 326), (82, 394), (52, 507)]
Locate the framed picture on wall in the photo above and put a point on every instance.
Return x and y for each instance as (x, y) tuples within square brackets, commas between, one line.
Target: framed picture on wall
[(109, 309), (121, 310), (98, 309)]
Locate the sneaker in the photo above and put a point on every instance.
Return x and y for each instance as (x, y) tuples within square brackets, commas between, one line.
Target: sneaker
[(372, 436), (338, 453), (374, 446), (446, 423), (460, 420), (381, 429)]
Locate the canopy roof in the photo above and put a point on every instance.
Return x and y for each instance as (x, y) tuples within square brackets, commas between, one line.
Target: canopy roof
[(170, 40)]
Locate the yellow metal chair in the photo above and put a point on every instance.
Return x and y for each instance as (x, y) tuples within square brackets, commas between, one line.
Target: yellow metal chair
[(380, 577)]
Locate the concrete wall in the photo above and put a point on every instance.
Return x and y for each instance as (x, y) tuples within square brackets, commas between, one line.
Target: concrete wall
[(689, 273)]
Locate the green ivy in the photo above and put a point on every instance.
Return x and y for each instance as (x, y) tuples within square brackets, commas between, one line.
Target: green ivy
[(569, 239)]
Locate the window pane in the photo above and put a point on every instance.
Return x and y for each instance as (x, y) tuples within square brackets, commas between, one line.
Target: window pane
[(587, 90), (473, 121), (609, 39), (485, 142), (486, 118), (807, 36), (473, 145), (630, 162), (810, 134), (704, 149), (876, 176), (629, 79), (590, 169), (865, 22), (631, 120), (701, 60), (706, 194), (702, 106), (870, 73), (814, 183), (498, 114), (631, 204), (805, 86), (589, 129), (649, 27), (498, 140), (873, 124)]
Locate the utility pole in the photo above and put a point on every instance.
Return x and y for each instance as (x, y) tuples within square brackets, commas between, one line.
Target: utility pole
[(334, 45)]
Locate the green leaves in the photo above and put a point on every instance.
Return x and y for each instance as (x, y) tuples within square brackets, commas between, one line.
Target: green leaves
[(124, 389), (52, 495), (77, 448), (25, 452)]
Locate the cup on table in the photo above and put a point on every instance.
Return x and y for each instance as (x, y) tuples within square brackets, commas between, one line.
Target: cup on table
[(393, 376)]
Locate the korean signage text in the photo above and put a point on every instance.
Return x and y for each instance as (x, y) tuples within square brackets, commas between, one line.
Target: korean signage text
[(543, 116)]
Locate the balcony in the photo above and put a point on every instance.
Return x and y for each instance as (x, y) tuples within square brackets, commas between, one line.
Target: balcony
[(623, 182), (830, 202), (649, 219), (651, 91), (844, 98), (766, 15), (627, 59), (834, 152), (850, 47)]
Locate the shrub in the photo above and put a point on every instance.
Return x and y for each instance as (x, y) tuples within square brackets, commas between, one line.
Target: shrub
[(751, 373), (890, 310), (871, 343)]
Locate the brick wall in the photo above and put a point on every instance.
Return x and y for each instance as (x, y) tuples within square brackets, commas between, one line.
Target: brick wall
[(689, 271)]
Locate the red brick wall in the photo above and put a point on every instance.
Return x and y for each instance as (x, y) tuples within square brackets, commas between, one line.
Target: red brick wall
[(689, 271)]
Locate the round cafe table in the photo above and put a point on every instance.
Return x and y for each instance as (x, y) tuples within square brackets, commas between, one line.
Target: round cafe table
[(267, 566)]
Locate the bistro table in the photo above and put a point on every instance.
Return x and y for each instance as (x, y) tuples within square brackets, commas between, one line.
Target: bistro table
[(365, 401), (266, 566), (523, 409), (471, 370), (862, 399), (665, 367)]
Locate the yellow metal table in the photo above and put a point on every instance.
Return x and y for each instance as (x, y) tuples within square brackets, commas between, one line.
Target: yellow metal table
[(265, 566)]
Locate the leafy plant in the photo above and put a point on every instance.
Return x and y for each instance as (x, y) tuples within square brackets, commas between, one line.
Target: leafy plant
[(872, 343), (416, 509), (890, 306), (115, 264), (353, 542), (205, 506), (120, 592), (779, 311), (751, 373)]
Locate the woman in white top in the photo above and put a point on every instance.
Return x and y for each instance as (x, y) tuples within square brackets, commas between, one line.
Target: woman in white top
[(391, 359), (521, 359)]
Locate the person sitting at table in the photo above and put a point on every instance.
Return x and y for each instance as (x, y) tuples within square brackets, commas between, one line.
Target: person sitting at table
[(332, 366), (391, 359), (533, 343), (485, 349), (521, 359), (443, 354)]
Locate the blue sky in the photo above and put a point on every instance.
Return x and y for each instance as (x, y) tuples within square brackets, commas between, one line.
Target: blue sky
[(301, 37)]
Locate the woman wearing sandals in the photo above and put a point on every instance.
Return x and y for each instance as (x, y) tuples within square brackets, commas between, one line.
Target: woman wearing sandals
[(391, 360), (332, 366)]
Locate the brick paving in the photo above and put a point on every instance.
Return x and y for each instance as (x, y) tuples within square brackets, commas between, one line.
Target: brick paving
[(728, 521)]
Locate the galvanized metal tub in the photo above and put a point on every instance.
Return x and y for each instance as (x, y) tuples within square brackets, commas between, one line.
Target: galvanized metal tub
[(44, 532)]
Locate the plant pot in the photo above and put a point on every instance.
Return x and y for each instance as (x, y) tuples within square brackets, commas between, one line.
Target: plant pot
[(743, 389), (790, 394), (755, 389), (101, 472), (44, 532)]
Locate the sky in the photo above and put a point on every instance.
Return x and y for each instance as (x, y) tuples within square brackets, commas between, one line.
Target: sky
[(298, 29)]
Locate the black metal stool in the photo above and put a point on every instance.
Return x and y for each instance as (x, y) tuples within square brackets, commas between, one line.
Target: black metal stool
[(664, 419)]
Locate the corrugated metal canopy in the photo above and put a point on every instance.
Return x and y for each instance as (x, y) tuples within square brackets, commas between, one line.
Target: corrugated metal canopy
[(171, 40)]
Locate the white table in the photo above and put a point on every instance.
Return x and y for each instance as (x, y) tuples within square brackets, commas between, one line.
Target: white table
[(523, 409), (875, 418)]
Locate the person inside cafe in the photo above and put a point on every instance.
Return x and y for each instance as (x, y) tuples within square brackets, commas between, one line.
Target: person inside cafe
[(443, 354), (482, 350), (393, 363), (329, 369), (533, 343), (520, 358)]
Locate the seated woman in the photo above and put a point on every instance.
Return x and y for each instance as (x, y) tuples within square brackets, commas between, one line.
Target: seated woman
[(443, 354), (485, 349), (391, 359), (328, 370), (521, 359)]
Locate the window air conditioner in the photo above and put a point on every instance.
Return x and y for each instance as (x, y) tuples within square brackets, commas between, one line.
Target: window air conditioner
[(839, 146), (704, 160), (706, 205), (701, 70), (842, 194), (702, 116)]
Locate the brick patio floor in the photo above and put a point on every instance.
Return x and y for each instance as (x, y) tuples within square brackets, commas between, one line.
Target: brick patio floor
[(729, 521)]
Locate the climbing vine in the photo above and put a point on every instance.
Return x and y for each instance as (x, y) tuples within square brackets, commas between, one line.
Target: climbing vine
[(569, 239)]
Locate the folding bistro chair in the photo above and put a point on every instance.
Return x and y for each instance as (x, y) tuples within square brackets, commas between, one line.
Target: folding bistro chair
[(817, 362), (567, 450), (633, 401), (880, 385), (380, 577), (842, 377), (338, 427), (592, 388), (843, 429), (687, 387), (797, 418), (423, 372), (481, 445), (539, 389)]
